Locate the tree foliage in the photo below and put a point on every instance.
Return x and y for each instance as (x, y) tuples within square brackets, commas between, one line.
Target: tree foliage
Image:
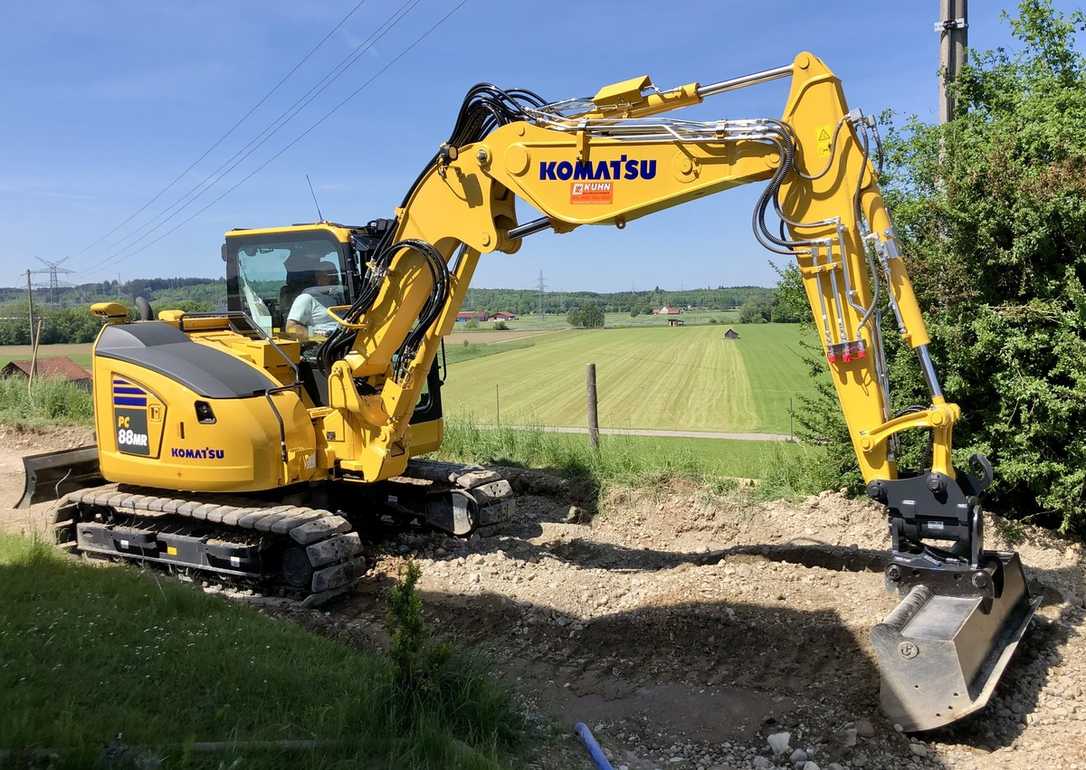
[(589, 316), (991, 213)]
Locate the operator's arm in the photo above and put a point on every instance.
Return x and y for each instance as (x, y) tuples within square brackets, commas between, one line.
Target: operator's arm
[(301, 310)]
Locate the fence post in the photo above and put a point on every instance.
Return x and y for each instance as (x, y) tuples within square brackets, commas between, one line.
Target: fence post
[(791, 431), (593, 412), (33, 359), (497, 404)]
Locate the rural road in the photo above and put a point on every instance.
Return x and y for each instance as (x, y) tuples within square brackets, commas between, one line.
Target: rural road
[(653, 433)]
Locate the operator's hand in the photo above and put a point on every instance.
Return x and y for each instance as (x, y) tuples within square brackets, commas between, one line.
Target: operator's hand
[(298, 331)]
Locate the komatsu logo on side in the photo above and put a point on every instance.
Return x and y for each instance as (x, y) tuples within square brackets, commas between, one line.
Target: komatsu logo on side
[(207, 453), (623, 168)]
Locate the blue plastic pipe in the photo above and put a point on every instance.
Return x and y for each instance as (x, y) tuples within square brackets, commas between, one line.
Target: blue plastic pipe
[(594, 749)]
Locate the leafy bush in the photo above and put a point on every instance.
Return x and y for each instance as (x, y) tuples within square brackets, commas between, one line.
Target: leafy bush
[(501, 326), (991, 212), (471, 324)]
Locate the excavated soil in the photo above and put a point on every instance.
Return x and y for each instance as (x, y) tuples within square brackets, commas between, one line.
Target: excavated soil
[(685, 628)]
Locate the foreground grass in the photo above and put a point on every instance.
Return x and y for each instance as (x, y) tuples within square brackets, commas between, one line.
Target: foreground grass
[(87, 653), (783, 469), (50, 402)]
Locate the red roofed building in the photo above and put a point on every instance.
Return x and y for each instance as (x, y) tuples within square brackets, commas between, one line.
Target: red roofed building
[(472, 315), (667, 310), (58, 367)]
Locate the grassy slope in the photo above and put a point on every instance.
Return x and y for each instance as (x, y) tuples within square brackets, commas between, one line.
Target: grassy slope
[(685, 378), (635, 459), (87, 653)]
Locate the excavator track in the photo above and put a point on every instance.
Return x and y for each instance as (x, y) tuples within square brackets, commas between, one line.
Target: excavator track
[(456, 499), (308, 553)]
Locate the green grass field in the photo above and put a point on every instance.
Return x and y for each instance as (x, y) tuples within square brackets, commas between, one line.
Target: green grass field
[(92, 652), (80, 353), (556, 321), (685, 378)]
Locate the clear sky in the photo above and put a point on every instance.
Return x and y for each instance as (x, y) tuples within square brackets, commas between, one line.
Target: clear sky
[(106, 101)]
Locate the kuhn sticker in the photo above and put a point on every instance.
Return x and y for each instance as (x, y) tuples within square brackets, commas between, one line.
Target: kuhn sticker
[(591, 192)]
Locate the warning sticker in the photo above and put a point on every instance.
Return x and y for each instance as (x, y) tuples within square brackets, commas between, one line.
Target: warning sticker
[(825, 139), (591, 192)]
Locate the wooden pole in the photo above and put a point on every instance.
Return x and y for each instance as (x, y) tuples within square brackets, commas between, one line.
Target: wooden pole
[(35, 338), (593, 411), (498, 404)]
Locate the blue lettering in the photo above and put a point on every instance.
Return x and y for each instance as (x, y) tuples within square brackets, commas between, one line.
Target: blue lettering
[(546, 170), (648, 169), (564, 170), (583, 170), (601, 171), (631, 170)]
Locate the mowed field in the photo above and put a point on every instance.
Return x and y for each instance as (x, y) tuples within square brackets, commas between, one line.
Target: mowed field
[(685, 378), (80, 353)]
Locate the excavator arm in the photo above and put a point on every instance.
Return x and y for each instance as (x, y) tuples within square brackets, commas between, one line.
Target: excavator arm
[(612, 159)]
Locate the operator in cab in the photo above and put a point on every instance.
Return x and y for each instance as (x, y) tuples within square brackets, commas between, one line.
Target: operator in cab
[(308, 316)]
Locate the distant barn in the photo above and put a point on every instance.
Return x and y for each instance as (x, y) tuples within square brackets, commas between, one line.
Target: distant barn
[(675, 322), (731, 334), (57, 367)]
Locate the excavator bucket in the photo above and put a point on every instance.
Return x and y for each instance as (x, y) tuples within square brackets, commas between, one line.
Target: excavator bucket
[(51, 475), (942, 654)]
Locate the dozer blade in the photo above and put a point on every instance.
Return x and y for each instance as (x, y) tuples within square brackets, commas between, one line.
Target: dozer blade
[(51, 475), (941, 656)]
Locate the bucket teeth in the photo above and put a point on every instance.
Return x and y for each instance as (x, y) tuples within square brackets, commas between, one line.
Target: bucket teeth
[(941, 656)]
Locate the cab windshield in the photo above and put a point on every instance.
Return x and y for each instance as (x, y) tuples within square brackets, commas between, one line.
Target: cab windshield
[(286, 283)]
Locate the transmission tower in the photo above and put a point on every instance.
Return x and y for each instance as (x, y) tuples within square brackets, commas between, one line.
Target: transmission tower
[(53, 269), (542, 290)]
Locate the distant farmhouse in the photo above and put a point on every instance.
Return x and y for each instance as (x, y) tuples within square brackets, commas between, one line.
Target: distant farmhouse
[(472, 315), (58, 367), (667, 310), (504, 315)]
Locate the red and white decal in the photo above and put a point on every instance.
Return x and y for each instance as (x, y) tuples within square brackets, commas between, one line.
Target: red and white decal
[(591, 192)]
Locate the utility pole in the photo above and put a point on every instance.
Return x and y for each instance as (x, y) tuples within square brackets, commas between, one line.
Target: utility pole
[(953, 29)]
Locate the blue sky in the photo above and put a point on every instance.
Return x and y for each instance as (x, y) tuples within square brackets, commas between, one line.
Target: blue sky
[(107, 101)]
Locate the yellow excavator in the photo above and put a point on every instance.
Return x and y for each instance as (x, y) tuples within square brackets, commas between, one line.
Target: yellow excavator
[(233, 448)]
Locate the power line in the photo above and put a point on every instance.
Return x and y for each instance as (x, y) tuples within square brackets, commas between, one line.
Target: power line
[(254, 144), (231, 130), (295, 140)]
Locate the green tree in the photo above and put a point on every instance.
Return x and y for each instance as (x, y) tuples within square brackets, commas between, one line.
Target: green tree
[(756, 310), (991, 212), (789, 304), (586, 317)]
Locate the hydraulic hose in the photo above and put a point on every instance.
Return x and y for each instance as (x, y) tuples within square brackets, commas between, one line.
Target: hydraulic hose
[(594, 750)]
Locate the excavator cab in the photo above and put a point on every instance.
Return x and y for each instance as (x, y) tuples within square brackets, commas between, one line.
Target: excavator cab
[(307, 268)]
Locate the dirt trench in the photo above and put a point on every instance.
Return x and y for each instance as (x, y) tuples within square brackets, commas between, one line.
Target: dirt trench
[(686, 627)]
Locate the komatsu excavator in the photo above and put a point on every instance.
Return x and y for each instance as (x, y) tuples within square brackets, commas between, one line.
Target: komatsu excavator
[(233, 449)]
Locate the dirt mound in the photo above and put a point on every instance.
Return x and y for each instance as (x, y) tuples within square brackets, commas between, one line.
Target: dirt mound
[(686, 627)]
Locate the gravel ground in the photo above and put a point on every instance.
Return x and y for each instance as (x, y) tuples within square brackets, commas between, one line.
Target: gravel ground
[(690, 630)]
